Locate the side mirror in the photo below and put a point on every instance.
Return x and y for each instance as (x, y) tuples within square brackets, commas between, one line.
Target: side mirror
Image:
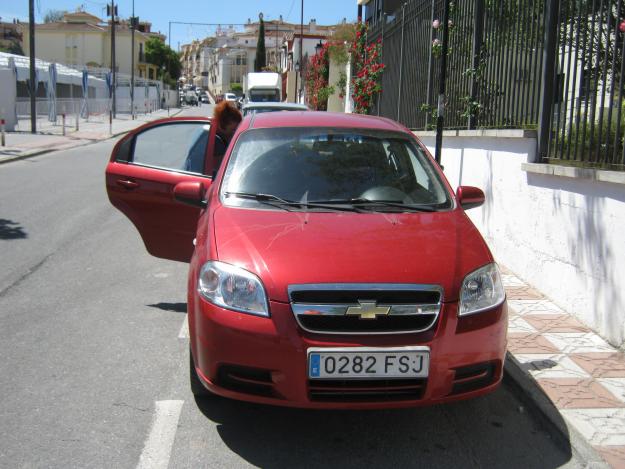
[(190, 193), (470, 197)]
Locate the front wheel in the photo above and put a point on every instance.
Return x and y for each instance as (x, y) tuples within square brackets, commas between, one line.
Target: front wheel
[(197, 388)]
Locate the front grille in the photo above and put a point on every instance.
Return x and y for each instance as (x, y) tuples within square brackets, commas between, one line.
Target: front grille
[(351, 324), (386, 294), (366, 308), (385, 390)]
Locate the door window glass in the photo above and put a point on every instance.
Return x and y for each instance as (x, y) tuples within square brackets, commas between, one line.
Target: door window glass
[(178, 146)]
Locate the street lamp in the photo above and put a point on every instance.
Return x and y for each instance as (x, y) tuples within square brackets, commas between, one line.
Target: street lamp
[(296, 87), (318, 47)]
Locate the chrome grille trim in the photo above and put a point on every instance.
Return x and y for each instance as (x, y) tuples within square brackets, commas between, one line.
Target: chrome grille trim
[(333, 309)]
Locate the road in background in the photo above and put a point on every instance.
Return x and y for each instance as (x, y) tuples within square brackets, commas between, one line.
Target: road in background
[(94, 369)]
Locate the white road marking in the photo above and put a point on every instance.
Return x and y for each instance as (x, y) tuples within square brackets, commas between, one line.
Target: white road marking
[(157, 449), (184, 329)]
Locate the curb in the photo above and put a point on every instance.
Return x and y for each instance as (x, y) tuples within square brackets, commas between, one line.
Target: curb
[(532, 395), (43, 151)]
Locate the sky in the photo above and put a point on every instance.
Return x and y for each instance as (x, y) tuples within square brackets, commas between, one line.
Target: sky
[(226, 12)]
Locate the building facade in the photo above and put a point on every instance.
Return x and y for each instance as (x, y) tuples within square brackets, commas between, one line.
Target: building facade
[(220, 63), (81, 39)]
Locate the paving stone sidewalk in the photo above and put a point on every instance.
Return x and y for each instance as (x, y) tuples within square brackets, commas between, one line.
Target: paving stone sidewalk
[(583, 375)]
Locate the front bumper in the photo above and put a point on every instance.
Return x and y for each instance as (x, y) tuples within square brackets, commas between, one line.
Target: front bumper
[(264, 360)]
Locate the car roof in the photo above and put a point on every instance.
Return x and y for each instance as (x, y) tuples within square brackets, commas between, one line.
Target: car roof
[(274, 105), (323, 119)]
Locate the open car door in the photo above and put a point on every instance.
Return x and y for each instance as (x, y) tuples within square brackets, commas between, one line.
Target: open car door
[(144, 168)]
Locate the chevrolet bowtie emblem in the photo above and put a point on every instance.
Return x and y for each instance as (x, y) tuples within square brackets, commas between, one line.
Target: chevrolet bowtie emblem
[(367, 310)]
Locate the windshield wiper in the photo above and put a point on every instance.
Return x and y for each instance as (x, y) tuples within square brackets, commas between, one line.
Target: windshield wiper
[(260, 197), (268, 199), (369, 203), (276, 201)]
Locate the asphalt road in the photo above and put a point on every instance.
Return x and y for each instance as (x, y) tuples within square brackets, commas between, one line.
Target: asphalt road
[(94, 368)]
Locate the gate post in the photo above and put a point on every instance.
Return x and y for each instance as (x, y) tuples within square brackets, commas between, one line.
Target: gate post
[(547, 82), (401, 59), (478, 39)]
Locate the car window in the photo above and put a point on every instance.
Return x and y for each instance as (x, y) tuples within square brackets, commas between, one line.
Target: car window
[(263, 96), (176, 146), (317, 164)]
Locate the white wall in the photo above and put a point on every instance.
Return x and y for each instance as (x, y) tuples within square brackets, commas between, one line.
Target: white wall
[(7, 98), (564, 235)]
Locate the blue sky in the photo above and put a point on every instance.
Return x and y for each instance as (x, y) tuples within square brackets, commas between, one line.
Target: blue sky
[(160, 12)]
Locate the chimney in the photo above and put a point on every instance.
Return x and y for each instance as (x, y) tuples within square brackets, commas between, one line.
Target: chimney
[(312, 26)]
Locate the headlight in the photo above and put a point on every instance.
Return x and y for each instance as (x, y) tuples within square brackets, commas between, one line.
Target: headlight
[(481, 290), (233, 288)]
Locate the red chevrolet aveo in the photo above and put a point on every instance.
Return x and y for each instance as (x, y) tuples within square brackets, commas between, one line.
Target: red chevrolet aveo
[(331, 264)]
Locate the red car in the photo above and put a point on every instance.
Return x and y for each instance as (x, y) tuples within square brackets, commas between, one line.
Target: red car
[(331, 264)]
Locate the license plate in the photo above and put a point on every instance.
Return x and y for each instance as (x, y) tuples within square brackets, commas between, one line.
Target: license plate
[(368, 363)]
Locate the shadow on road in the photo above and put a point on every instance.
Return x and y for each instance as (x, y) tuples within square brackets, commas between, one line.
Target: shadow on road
[(172, 307), (491, 431), (11, 230)]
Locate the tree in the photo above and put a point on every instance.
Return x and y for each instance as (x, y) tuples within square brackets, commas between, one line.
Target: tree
[(13, 47), (260, 61), (160, 54), (54, 16)]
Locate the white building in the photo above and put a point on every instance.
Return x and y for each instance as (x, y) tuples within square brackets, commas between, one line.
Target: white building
[(220, 63)]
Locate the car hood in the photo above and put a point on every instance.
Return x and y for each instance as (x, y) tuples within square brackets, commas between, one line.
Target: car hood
[(285, 248)]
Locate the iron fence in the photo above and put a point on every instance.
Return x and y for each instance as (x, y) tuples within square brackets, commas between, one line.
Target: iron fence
[(587, 107), (552, 65), (491, 78)]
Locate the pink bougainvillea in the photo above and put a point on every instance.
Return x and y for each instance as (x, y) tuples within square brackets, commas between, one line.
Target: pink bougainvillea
[(367, 69)]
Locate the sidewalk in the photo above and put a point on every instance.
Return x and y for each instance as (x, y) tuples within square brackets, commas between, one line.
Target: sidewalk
[(23, 144), (579, 374)]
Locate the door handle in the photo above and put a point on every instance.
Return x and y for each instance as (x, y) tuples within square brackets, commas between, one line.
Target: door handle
[(128, 184)]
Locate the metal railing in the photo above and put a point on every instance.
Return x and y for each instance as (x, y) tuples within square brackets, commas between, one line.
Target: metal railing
[(552, 65), (587, 126), (491, 76)]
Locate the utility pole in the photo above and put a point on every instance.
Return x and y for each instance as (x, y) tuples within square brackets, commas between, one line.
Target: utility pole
[(113, 78), (33, 85), (441, 86), (301, 45), (133, 25)]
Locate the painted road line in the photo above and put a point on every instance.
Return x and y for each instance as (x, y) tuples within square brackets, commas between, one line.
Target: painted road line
[(184, 329), (157, 449)]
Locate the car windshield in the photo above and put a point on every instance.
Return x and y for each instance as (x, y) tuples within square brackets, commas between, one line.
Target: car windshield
[(264, 96), (379, 170)]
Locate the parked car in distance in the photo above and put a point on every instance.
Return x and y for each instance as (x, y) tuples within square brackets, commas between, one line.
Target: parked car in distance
[(331, 263), (190, 98), (204, 97), (257, 108), (231, 97)]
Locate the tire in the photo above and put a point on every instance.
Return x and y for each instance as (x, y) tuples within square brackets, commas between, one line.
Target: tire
[(197, 388)]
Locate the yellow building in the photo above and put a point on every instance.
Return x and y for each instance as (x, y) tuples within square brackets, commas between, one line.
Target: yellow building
[(82, 39)]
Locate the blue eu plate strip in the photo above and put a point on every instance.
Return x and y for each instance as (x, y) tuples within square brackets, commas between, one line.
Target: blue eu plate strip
[(315, 362)]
